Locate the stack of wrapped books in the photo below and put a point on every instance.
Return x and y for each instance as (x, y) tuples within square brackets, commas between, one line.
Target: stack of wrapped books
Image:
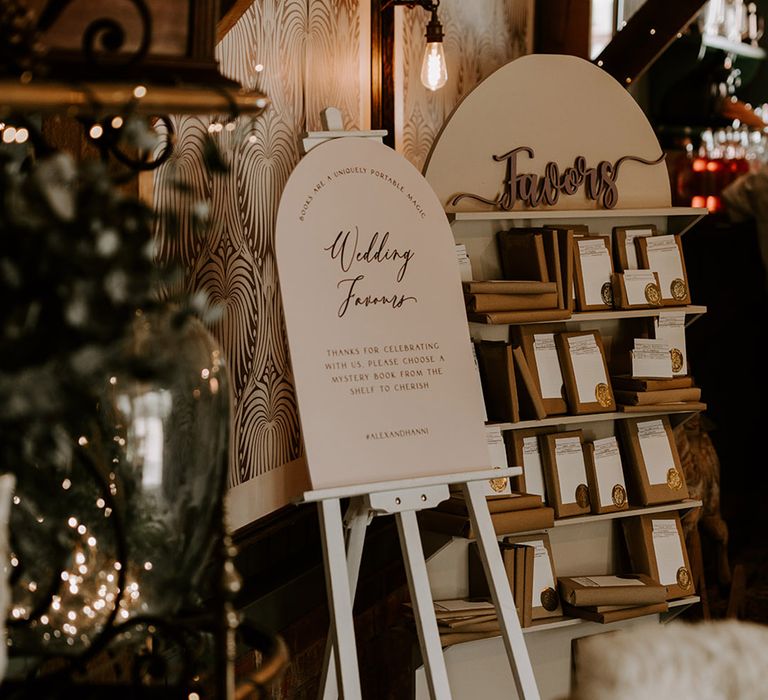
[(463, 620), (512, 301), (517, 512), (611, 598), (641, 394)]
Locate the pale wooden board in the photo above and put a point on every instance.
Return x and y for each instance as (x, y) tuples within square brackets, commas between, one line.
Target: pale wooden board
[(560, 106)]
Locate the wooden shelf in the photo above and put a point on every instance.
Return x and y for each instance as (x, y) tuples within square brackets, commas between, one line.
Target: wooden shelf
[(691, 213), (691, 310), (696, 311), (678, 606), (588, 418), (554, 623), (687, 504)]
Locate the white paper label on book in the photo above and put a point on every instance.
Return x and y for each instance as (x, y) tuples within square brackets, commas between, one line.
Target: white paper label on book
[(656, 450), (608, 468), (548, 365), (629, 242), (595, 581), (465, 264), (668, 550), (498, 456), (534, 476), (571, 470), (635, 282), (651, 358), (664, 259), (588, 366), (670, 326), (595, 269), (542, 572)]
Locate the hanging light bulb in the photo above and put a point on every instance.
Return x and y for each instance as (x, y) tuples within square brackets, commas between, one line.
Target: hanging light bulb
[(434, 73)]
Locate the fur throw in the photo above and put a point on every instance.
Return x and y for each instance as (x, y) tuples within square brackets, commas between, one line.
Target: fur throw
[(723, 660)]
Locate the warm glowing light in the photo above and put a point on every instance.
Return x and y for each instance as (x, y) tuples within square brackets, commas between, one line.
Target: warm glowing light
[(72, 522), (9, 134), (82, 440), (698, 202), (699, 165), (139, 91), (96, 131), (434, 73), (22, 135), (713, 203), (117, 122), (259, 67), (713, 166), (66, 484)]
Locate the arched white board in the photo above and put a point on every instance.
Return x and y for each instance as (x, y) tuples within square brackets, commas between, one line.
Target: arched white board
[(561, 107), (375, 319)]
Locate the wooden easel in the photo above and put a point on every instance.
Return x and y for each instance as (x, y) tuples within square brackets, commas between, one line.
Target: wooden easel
[(403, 499), (342, 563)]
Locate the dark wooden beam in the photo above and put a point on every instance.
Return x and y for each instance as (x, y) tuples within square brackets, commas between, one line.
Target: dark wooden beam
[(645, 37), (231, 11), (563, 26), (382, 69)]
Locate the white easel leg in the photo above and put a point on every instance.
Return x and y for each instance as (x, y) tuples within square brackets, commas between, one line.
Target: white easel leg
[(423, 607), (358, 524), (517, 652), (339, 598)]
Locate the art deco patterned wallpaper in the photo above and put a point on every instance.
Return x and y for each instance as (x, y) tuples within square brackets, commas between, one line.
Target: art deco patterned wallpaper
[(480, 36), (305, 55)]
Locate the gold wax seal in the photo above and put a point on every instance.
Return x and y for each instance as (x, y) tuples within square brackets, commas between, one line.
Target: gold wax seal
[(652, 294), (498, 485), (606, 292), (677, 359), (549, 599), (674, 480), (603, 394), (683, 578), (582, 496), (619, 495), (678, 289)]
